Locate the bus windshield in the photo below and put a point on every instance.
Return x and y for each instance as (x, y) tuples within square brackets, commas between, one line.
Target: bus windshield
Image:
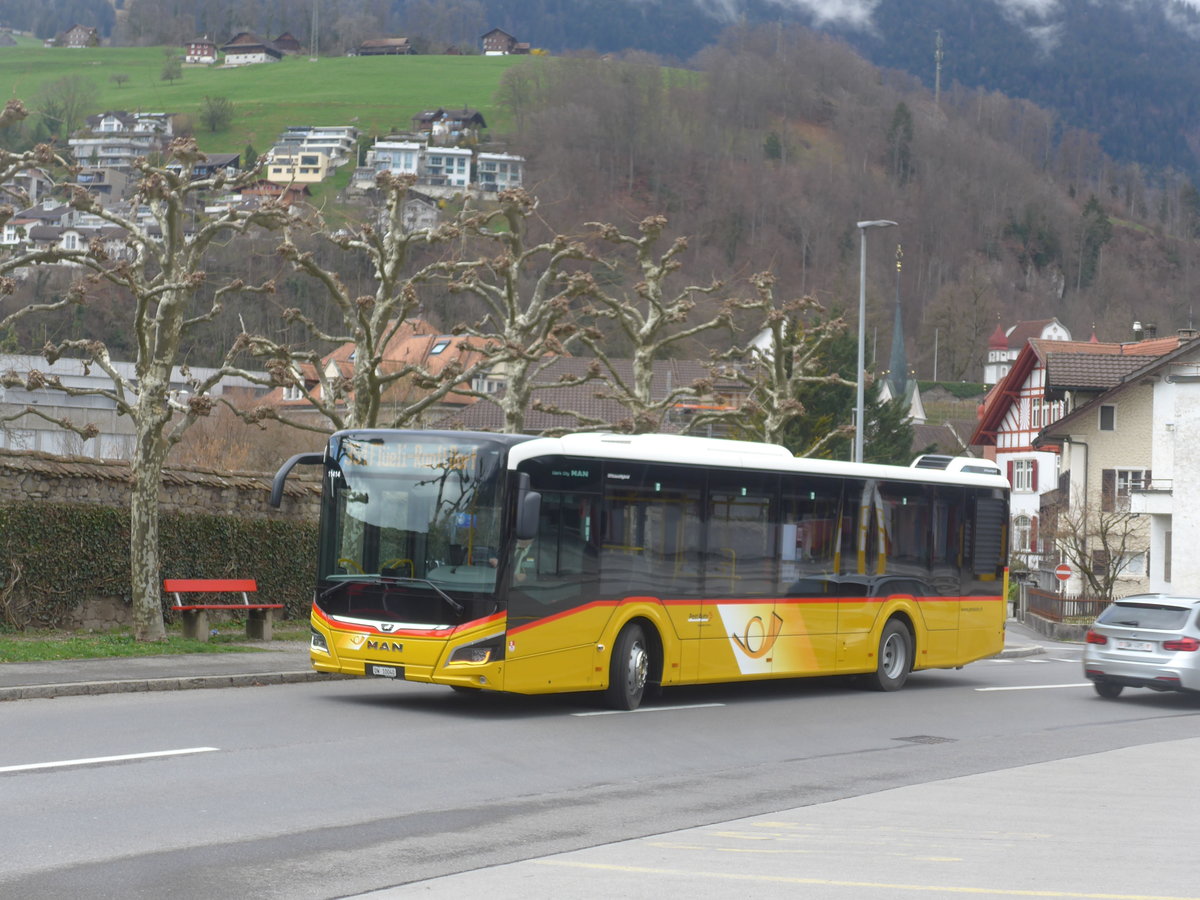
[(423, 509)]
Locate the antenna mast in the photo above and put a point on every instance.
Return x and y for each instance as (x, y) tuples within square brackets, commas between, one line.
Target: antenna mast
[(937, 77), (313, 42)]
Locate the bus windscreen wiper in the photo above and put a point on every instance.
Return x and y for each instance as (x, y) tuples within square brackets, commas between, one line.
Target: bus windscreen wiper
[(400, 579)]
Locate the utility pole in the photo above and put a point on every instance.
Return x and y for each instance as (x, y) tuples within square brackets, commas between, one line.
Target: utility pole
[(937, 67), (313, 42)]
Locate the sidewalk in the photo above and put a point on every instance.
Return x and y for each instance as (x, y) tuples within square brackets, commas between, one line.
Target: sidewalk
[(286, 662), (283, 663)]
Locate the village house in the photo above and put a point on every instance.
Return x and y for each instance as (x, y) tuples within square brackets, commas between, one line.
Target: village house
[(1015, 416), (114, 139), (79, 36), (500, 43), (415, 343), (246, 49), (1127, 471), (116, 434), (213, 163), (446, 167), (1005, 346), (107, 185), (389, 46), (499, 171), (449, 126), (200, 50), (287, 44)]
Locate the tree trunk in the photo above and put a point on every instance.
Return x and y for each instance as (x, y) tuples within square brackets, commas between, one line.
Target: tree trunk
[(143, 524)]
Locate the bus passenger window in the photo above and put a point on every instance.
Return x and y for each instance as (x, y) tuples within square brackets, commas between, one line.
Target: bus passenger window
[(740, 558), (811, 542), (652, 528)]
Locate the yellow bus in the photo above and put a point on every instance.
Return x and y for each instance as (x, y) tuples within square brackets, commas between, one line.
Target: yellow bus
[(623, 564)]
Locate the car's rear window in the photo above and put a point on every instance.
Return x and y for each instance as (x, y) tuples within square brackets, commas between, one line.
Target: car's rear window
[(1145, 615)]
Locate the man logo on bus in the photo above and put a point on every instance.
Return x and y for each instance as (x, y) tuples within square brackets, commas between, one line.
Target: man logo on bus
[(757, 639)]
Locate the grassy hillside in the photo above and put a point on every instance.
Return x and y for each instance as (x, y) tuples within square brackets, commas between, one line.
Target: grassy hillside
[(377, 94)]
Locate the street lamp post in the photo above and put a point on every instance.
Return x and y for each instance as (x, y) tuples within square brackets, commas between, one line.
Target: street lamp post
[(861, 377)]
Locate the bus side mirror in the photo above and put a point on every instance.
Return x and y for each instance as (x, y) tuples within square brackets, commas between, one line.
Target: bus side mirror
[(529, 509), (300, 459)]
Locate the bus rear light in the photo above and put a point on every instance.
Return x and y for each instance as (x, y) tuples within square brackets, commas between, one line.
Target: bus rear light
[(1094, 637), (1188, 644)]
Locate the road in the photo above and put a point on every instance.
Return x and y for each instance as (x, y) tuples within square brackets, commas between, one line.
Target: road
[(338, 788)]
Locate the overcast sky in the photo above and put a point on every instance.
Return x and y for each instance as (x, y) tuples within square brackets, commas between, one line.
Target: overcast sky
[(858, 12)]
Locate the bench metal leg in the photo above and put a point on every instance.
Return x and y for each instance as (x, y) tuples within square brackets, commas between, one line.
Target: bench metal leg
[(258, 624), (195, 624)]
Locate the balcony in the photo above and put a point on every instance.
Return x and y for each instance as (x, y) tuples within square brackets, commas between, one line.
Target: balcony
[(1157, 499)]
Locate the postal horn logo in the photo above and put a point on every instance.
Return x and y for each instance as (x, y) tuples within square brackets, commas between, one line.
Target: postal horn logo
[(758, 637)]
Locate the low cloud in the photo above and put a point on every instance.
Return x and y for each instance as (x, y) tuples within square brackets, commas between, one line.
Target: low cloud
[(858, 13)]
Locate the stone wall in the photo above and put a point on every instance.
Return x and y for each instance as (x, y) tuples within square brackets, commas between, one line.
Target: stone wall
[(27, 476)]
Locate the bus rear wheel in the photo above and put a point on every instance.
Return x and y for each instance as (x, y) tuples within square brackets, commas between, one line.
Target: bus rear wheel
[(629, 669), (894, 659)]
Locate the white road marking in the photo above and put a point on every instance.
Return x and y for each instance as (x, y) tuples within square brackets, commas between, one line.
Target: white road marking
[(104, 759), (1036, 687), (645, 709)]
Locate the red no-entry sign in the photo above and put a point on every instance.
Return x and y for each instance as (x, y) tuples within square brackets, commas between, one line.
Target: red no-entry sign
[(1062, 572)]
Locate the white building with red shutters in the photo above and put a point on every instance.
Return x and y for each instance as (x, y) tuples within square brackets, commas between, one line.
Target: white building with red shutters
[(1019, 407)]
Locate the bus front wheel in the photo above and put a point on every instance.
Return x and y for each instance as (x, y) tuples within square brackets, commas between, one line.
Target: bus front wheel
[(628, 670), (894, 659)]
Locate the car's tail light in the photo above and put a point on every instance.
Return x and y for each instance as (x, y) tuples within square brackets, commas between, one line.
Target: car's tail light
[(1184, 643), (1094, 637)]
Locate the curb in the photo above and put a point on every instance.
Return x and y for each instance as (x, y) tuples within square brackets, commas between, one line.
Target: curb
[(200, 682), (1017, 652), (141, 685)]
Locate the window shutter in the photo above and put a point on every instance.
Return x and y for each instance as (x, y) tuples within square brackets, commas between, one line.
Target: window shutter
[(1033, 475), (1010, 474), (1033, 535), (1108, 490), (1099, 563)]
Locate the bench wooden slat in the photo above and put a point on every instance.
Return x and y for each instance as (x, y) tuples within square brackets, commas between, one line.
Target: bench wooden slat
[(230, 606), (216, 585)]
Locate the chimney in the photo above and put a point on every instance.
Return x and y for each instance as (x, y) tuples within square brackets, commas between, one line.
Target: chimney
[(1187, 334), (1150, 330)]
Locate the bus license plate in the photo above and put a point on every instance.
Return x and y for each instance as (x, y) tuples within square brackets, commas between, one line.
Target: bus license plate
[(1143, 646), (385, 671)]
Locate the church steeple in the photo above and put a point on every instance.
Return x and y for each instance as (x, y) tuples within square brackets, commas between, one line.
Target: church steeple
[(898, 364)]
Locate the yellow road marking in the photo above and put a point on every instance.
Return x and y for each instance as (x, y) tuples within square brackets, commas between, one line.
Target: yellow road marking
[(876, 885)]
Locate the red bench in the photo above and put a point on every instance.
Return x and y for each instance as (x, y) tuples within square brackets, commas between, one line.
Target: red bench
[(195, 614)]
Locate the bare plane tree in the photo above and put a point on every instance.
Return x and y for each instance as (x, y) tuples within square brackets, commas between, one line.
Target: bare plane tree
[(509, 333), (527, 291), (790, 338), (162, 271), (652, 320)]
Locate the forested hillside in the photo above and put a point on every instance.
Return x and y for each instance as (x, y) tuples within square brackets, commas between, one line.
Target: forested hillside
[(1127, 70), (782, 139), (777, 139)]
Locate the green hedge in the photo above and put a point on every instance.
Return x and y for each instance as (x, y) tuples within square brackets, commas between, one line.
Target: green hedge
[(53, 557)]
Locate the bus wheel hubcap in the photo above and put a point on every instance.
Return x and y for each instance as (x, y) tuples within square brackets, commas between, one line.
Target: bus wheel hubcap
[(639, 665)]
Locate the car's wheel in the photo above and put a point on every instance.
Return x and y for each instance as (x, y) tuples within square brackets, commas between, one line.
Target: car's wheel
[(1108, 690), (628, 670), (894, 659)]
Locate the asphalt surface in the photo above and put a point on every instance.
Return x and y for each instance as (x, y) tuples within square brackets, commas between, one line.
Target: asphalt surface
[(276, 662), (876, 846)]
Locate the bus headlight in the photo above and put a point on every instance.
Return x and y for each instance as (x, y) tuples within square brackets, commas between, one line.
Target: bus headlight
[(318, 641), (476, 654)]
